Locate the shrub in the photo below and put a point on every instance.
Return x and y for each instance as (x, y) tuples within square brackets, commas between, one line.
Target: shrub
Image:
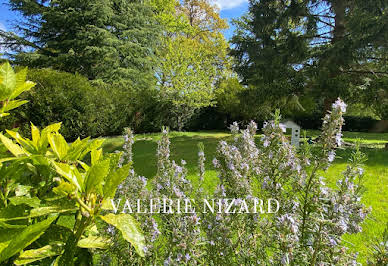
[(45, 180), (307, 229), (59, 96)]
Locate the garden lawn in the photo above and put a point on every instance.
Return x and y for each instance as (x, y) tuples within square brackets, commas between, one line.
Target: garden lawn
[(184, 146)]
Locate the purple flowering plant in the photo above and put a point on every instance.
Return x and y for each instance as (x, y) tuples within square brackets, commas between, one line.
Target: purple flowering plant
[(308, 227)]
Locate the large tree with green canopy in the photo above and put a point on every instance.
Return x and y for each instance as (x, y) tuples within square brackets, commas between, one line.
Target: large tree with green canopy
[(327, 48), (109, 40)]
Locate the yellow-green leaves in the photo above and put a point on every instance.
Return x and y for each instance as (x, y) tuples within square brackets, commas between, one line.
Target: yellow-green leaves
[(11, 86), (95, 176), (15, 149), (70, 173), (130, 229), (7, 81), (93, 242), (25, 238), (58, 145), (47, 251), (114, 180)]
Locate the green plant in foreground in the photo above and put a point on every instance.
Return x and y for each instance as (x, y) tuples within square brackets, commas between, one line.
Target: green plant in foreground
[(47, 181)]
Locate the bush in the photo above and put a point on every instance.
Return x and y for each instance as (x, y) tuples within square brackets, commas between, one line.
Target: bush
[(307, 229), (58, 96), (85, 108), (45, 180)]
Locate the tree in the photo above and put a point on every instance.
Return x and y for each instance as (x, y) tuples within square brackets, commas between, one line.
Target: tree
[(108, 40), (325, 48), (194, 57)]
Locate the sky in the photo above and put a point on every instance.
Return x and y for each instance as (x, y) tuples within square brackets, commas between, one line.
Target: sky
[(229, 9)]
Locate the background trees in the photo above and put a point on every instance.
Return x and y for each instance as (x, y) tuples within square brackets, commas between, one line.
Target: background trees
[(321, 48), (193, 57), (108, 40)]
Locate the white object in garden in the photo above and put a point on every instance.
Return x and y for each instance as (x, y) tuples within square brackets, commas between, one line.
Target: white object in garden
[(295, 131)]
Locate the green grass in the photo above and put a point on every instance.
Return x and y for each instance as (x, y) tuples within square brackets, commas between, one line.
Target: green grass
[(184, 146)]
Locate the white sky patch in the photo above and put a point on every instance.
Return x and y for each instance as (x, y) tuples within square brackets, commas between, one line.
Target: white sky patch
[(229, 4)]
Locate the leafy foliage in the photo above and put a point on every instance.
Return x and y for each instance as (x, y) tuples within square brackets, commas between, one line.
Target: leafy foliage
[(44, 179), (109, 40), (286, 49)]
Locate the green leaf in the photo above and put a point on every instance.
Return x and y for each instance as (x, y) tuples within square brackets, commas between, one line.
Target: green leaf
[(64, 188), (59, 145), (21, 84), (35, 135), (12, 226), (43, 141), (70, 173), (95, 176), (32, 202), (96, 155), (25, 143), (7, 81), (130, 229), (77, 148), (93, 242), (114, 179), (93, 145), (10, 105), (31, 255), (15, 149), (25, 238)]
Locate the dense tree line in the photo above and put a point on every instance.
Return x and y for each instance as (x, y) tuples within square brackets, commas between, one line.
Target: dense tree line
[(166, 62), (287, 50)]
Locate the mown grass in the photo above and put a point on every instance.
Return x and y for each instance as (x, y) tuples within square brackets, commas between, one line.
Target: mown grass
[(184, 146)]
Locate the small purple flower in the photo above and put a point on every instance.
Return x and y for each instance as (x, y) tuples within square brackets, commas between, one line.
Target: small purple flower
[(339, 104), (234, 128), (331, 156), (282, 127), (266, 143), (338, 139)]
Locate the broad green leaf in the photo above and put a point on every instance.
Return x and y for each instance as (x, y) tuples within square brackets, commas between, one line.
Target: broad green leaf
[(36, 212), (64, 188), (114, 179), (70, 173), (25, 238), (32, 202), (92, 145), (31, 255), (35, 135), (12, 226), (26, 86), (7, 81), (2, 160), (10, 105), (84, 165), (77, 148), (15, 149), (26, 143), (21, 84), (43, 142), (7, 235), (95, 176), (130, 229), (93, 242), (59, 145), (96, 155)]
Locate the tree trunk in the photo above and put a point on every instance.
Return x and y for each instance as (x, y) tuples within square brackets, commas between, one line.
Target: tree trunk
[(337, 61)]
